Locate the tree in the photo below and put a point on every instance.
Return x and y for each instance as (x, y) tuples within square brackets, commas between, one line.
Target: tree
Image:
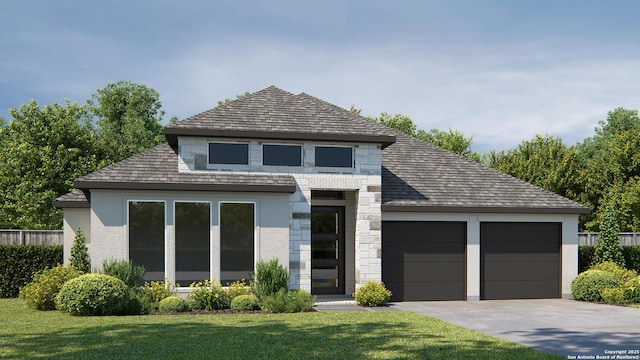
[(128, 118), (227, 100), (544, 161), (609, 248), (79, 253), (42, 150), (452, 140)]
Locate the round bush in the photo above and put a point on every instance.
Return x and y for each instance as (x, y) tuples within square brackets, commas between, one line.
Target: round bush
[(588, 285), (173, 304), (244, 303), (93, 294), (290, 301), (373, 293), (621, 273), (40, 294)]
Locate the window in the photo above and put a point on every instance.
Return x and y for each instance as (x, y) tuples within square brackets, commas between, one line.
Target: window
[(192, 239), (333, 156), (285, 155), (146, 237), (229, 153), (237, 235)]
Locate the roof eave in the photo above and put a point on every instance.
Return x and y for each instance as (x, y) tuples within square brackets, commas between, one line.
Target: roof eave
[(485, 210), (172, 133), (65, 204), (104, 185)]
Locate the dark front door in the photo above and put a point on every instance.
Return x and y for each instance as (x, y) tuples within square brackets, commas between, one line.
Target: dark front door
[(327, 250)]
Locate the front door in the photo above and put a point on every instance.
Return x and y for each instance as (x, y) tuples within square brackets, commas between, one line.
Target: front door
[(327, 250)]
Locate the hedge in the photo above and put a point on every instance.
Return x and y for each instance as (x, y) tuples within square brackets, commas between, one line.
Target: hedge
[(18, 264), (631, 254)]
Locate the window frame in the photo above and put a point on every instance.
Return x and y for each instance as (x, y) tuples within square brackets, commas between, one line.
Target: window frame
[(256, 253), (212, 142), (316, 146), (211, 244), (164, 231), (299, 146)]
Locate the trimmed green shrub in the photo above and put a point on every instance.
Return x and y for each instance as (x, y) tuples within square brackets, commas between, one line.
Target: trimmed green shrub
[(613, 295), (290, 301), (244, 303), (236, 289), (586, 255), (93, 294), (631, 257), (208, 295), (609, 248), (588, 285), (622, 274), (173, 304), (373, 293), (124, 270), (18, 264), (151, 293), (632, 290), (79, 253), (269, 278), (40, 294)]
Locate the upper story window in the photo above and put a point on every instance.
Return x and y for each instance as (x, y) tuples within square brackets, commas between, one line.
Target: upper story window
[(334, 156), (283, 155), (229, 153)]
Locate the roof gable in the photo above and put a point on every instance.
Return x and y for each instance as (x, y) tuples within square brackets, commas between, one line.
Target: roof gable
[(273, 113)]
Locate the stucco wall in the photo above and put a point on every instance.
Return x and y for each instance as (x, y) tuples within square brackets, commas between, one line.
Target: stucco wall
[(75, 218), (109, 224), (569, 250)]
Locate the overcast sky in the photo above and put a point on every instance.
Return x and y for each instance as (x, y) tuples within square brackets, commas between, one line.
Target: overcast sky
[(501, 71)]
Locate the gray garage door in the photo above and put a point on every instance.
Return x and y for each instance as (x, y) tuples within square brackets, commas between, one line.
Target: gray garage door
[(424, 260), (520, 260)]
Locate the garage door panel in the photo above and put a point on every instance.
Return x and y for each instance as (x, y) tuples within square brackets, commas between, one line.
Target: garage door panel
[(525, 271), (407, 231), (520, 260), (399, 256), (425, 271), (426, 290), (539, 289), (424, 247)]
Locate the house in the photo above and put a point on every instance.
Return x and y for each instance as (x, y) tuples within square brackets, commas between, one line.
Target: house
[(337, 198)]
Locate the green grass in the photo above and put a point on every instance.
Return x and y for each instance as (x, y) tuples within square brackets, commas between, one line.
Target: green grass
[(29, 334)]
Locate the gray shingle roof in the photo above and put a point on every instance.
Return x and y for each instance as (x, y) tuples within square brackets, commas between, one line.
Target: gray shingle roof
[(157, 169), (273, 113), (75, 199), (418, 176)]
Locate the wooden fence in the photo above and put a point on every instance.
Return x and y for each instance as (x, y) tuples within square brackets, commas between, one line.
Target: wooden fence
[(626, 239), (31, 237)]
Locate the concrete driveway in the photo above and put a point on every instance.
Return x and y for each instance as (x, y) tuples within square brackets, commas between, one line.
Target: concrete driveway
[(564, 327)]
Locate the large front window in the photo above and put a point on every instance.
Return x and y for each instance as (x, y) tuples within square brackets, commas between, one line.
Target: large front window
[(192, 239), (229, 153), (237, 239), (146, 237)]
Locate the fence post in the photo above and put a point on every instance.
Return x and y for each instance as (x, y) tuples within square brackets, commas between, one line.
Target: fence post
[(23, 238)]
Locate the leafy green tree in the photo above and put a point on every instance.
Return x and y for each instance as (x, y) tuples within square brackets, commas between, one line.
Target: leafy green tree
[(128, 119), (79, 253), (398, 121), (609, 248), (227, 100), (452, 140), (544, 161), (42, 150)]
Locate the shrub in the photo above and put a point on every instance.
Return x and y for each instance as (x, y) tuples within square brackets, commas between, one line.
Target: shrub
[(79, 253), (244, 303), (586, 256), (588, 285), (622, 274), (609, 248), (290, 301), (124, 270), (18, 264), (632, 290), (236, 289), (173, 304), (631, 257), (93, 294), (269, 278), (151, 293), (613, 295), (40, 294), (208, 295), (373, 293)]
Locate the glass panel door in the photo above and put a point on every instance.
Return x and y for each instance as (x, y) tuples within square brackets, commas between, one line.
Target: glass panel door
[(327, 250)]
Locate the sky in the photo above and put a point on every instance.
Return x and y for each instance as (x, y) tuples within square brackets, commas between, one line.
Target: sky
[(500, 71)]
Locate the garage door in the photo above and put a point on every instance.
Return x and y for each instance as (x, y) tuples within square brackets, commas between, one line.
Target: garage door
[(424, 260), (520, 260)]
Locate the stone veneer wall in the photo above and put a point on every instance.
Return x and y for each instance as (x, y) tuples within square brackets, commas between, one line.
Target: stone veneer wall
[(364, 179)]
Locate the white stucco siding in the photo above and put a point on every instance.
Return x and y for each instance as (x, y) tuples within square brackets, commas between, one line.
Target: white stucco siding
[(74, 219), (110, 232), (569, 245)]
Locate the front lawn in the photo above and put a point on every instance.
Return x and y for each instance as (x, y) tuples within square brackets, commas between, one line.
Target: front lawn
[(29, 334)]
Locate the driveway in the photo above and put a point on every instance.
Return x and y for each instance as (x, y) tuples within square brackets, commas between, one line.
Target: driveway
[(564, 327)]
